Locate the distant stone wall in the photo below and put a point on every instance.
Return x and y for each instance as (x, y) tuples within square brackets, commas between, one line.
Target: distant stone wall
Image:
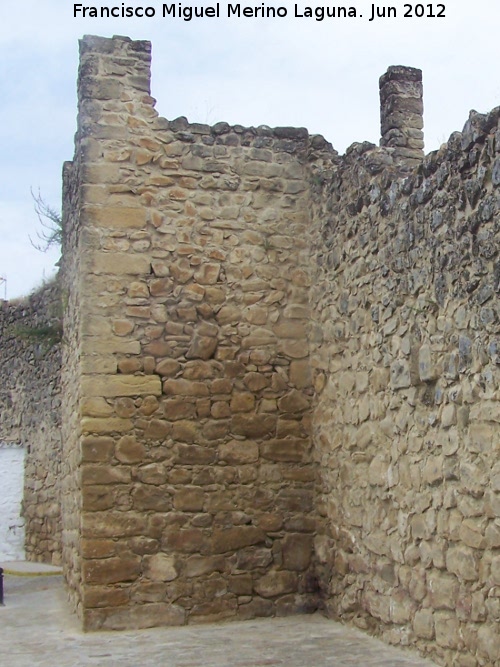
[(30, 412), (405, 351)]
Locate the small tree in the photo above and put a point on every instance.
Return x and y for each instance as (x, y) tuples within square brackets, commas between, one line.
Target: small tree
[(50, 219)]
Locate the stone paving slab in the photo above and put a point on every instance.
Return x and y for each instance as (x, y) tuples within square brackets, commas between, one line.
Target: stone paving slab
[(37, 630)]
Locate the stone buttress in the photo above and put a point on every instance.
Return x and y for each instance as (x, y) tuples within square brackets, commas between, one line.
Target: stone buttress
[(188, 276)]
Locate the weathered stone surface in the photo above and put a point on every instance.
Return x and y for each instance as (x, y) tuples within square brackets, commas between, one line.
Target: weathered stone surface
[(285, 449), (237, 452), (111, 570), (297, 551), (128, 450), (232, 539), (120, 385), (143, 616), (160, 567), (253, 426), (276, 583), (97, 449), (202, 347)]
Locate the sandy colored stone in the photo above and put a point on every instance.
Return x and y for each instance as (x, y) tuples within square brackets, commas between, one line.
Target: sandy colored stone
[(117, 217), (97, 449), (238, 451), (232, 539), (201, 347), (253, 426), (128, 450), (160, 567), (276, 583), (120, 385)]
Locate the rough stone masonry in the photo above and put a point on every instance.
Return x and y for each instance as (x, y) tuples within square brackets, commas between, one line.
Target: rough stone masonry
[(280, 369)]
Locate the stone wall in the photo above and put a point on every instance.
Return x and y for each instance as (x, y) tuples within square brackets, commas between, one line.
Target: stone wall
[(405, 351), (281, 369), (30, 411), (187, 265)]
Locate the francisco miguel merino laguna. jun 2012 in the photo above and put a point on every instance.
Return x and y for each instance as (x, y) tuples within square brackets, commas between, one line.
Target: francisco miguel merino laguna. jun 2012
[(236, 10)]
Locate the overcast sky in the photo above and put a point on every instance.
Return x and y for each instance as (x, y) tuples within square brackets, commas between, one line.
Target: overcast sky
[(322, 75)]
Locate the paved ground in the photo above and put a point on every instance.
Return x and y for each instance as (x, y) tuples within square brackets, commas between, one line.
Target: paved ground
[(37, 630)]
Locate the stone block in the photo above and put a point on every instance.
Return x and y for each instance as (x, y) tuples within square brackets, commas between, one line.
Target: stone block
[(185, 388), (426, 367), (253, 425), (120, 263), (241, 584), (186, 541), (189, 500), (423, 624), (128, 450), (120, 385), (447, 628), (116, 217), (286, 449), (93, 363), (137, 617), (105, 474), (400, 374), (97, 449), (233, 539), (95, 407), (104, 596), (194, 455), (94, 548), (256, 381), (158, 429), (160, 567), (276, 583), (111, 570), (242, 402), (495, 570), (105, 425), (98, 498), (293, 402), (237, 452), (196, 566), (202, 347), (112, 524), (146, 497), (443, 590), (489, 641), (300, 374), (178, 408), (463, 561), (97, 350), (296, 551), (256, 608)]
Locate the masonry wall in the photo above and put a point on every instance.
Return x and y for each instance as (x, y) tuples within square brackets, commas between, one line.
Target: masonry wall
[(30, 362), (406, 371), (187, 246), (281, 369)]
